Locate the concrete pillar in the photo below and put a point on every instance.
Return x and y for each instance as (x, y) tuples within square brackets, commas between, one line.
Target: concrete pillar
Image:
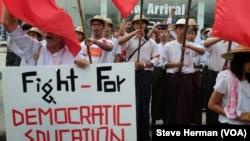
[(104, 6), (200, 14)]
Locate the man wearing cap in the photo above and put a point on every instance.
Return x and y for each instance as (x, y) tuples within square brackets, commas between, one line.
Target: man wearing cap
[(192, 22), (79, 33), (145, 58), (53, 52), (115, 54), (215, 47), (99, 46), (231, 96), (179, 73)]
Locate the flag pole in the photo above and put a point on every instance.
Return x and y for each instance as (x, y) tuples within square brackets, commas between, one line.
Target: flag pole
[(141, 8), (84, 30), (185, 32), (228, 49)]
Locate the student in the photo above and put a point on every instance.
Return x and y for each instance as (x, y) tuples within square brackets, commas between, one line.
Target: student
[(196, 78), (11, 58), (154, 32), (215, 47), (79, 33), (145, 61), (179, 73), (159, 82), (34, 33), (231, 97), (99, 46), (115, 55), (159, 77), (116, 33), (53, 52)]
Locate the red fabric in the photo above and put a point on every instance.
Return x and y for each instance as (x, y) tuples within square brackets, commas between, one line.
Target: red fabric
[(125, 6), (231, 21), (46, 15)]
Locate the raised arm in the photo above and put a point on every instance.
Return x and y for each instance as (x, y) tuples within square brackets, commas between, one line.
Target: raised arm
[(208, 43), (122, 27), (8, 20), (124, 39), (171, 15), (153, 30), (199, 50)]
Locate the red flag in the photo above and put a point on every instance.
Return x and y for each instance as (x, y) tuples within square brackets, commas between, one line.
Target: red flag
[(231, 21), (125, 7), (46, 15)]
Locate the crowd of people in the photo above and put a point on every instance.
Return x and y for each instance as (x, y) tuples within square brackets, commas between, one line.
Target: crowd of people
[(177, 73)]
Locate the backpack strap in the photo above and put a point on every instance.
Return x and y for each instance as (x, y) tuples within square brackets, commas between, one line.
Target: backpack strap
[(146, 38), (37, 54)]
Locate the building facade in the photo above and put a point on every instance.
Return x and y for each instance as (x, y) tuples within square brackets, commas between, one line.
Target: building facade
[(155, 10)]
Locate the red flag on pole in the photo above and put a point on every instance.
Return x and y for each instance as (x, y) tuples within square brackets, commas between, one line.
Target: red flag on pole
[(125, 7), (231, 21), (46, 15)]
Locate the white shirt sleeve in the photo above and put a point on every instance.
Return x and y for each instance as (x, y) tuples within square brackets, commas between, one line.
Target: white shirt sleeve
[(222, 81)]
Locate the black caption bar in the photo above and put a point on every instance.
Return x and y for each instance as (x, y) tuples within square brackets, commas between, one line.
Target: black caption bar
[(218, 132)]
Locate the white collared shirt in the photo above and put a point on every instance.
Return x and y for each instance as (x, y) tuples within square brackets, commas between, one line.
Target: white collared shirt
[(216, 62), (148, 52), (243, 104), (98, 55), (172, 54)]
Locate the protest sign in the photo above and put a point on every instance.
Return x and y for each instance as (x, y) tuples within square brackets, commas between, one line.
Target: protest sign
[(68, 103)]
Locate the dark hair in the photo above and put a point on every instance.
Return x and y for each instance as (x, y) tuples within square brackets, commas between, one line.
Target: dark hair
[(192, 28), (237, 65), (178, 25), (146, 30), (203, 29), (26, 26)]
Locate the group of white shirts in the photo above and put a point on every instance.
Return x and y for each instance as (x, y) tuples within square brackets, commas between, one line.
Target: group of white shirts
[(171, 52), (211, 58), (98, 55), (25, 47)]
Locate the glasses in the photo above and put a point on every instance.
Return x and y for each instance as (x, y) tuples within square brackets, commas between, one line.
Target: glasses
[(97, 25)]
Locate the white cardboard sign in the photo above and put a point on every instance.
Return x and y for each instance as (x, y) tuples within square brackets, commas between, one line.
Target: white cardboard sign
[(67, 103)]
